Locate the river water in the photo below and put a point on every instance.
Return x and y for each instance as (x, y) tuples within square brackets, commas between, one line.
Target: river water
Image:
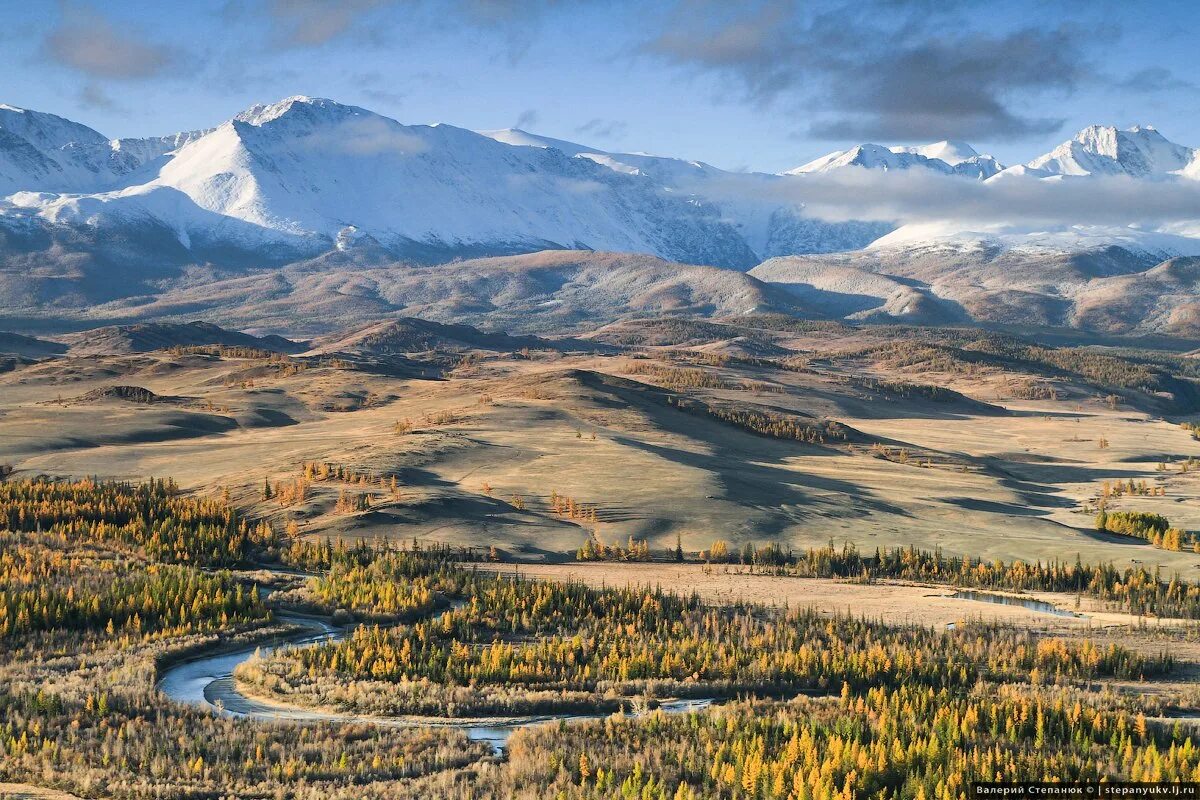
[(1039, 606), (207, 682)]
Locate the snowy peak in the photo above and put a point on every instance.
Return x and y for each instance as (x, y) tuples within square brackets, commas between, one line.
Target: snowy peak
[(322, 175), (299, 108), (40, 151), (870, 156), (47, 131), (47, 153), (671, 172), (978, 167), (951, 152), (1138, 152), (305, 176), (519, 138), (964, 159), (945, 157)]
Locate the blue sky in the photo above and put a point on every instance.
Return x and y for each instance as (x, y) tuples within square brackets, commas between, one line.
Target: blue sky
[(762, 85)]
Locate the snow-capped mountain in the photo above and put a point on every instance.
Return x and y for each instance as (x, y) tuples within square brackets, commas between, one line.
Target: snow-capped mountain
[(945, 157), (284, 180), (47, 153), (316, 201), (1096, 152), (961, 157), (951, 152), (314, 181), (870, 156), (1138, 152), (294, 174), (749, 200), (310, 168)]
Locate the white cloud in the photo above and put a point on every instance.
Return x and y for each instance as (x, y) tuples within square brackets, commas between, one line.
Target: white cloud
[(366, 137), (917, 196)]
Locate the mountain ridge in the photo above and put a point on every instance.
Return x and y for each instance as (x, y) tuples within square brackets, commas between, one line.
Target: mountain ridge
[(286, 180), (340, 193), (1139, 152), (947, 158)]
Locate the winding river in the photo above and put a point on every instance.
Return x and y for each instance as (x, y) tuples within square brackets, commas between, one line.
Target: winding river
[(207, 682), (1040, 606)]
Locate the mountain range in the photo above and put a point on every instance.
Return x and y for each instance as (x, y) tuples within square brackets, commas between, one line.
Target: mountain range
[(88, 222), (945, 157), (1138, 152)]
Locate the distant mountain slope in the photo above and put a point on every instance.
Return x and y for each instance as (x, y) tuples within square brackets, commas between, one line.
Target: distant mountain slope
[(1164, 299), (1107, 290), (749, 200), (47, 153), (144, 337), (413, 335), (29, 346), (548, 291), (409, 335)]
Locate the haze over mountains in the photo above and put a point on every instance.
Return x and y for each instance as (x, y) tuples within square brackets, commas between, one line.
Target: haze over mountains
[(133, 227)]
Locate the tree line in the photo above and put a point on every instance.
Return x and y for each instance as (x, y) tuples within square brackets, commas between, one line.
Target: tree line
[(1134, 589), (153, 518), (513, 635), (1154, 528)]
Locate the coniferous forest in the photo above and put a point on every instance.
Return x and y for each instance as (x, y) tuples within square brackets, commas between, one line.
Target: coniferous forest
[(104, 586)]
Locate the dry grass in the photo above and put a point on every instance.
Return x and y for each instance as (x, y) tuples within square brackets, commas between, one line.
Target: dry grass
[(655, 471), (893, 602), (23, 791)]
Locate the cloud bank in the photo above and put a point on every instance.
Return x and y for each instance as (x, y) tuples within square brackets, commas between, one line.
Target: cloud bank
[(919, 196)]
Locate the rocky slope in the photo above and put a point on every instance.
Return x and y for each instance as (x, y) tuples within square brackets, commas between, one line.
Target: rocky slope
[(1106, 290), (553, 291)]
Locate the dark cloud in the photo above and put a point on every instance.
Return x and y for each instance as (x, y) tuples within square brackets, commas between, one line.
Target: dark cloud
[(603, 128), (312, 23), (87, 41), (1154, 79), (959, 88), (878, 68), (516, 23), (526, 119), (308, 23), (378, 88), (93, 97)]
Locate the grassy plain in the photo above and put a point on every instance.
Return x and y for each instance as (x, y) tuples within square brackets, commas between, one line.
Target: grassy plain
[(975, 471)]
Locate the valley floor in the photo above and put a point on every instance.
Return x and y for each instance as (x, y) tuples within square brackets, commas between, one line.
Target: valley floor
[(893, 602), (485, 447)]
